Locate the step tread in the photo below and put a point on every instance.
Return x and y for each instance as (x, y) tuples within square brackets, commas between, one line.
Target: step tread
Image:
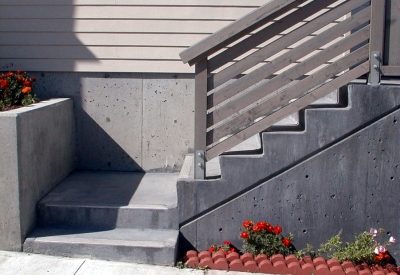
[(149, 246), (119, 236), (115, 190)]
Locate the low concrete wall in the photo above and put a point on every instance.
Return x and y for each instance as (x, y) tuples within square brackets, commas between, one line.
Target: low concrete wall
[(37, 145), (127, 121)]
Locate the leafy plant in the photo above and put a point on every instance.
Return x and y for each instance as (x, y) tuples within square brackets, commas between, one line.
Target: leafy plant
[(363, 249), (16, 89), (263, 238)]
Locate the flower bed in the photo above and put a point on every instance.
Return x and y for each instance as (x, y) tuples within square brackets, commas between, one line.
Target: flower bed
[(279, 264), (275, 254)]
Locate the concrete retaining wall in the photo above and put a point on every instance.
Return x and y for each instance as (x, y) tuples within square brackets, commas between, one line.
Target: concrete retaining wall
[(37, 145), (127, 121), (348, 188)]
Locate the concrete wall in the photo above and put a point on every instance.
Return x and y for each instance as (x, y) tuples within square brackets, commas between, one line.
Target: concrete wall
[(340, 174), (127, 121), (37, 152), (348, 188)]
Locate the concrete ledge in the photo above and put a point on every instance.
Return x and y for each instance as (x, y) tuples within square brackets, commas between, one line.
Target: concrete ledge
[(37, 145)]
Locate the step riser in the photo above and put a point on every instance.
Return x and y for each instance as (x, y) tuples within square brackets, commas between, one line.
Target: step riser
[(145, 255), (106, 218)]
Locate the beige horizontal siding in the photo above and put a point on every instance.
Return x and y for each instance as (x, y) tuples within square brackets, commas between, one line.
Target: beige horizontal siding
[(109, 35), (104, 35), (208, 3)]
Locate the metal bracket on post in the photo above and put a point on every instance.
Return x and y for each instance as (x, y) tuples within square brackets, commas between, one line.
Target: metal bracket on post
[(199, 165), (375, 68)]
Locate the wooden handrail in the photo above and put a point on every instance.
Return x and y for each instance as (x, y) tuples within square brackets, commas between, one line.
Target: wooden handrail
[(308, 57), (234, 31)]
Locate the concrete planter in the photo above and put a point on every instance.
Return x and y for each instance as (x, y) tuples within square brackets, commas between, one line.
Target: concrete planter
[(37, 148)]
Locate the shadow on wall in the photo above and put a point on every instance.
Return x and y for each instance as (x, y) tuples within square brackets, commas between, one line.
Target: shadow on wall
[(108, 117), (127, 121), (41, 37)]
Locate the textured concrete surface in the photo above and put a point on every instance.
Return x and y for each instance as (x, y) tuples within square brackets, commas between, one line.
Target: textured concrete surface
[(108, 215), (347, 188), (106, 200), (37, 144), (150, 246), (130, 121), (127, 121), (282, 150)]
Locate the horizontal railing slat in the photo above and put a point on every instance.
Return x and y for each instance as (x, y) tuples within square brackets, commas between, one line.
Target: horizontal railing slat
[(266, 33), (284, 60), (275, 47), (288, 109), (278, 101), (391, 70), (233, 31), (286, 77)]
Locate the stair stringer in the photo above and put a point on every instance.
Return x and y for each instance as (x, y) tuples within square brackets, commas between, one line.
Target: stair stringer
[(282, 150), (345, 188)]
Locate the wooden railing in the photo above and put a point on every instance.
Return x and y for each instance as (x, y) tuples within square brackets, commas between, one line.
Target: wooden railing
[(295, 52)]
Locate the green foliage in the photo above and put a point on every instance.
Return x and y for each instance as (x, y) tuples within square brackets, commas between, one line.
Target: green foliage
[(363, 249), (358, 251), (307, 251), (263, 238), (16, 89)]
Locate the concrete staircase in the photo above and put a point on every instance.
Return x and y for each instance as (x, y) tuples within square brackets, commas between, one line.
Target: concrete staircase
[(243, 190), (115, 216), (138, 217)]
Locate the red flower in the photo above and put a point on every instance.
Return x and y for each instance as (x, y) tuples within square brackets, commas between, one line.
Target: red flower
[(244, 235), (247, 223), (387, 257), (379, 257), (211, 250), (20, 71), (262, 225), (232, 250), (270, 228), (256, 228), (227, 242), (20, 79), (27, 84), (10, 74), (286, 242), (26, 90), (3, 84), (277, 229)]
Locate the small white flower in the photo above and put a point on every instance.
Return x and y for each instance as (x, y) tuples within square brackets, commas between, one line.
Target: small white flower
[(392, 239), (380, 249), (373, 232)]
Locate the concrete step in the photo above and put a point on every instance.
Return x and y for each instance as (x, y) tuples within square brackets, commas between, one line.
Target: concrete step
[(107, 200), (148, 246)]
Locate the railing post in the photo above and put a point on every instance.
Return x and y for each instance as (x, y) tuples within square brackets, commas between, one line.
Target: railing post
[(376, 40), (200, 120)]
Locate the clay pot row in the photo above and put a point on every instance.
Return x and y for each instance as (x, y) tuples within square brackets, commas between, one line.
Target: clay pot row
[(278, 264)]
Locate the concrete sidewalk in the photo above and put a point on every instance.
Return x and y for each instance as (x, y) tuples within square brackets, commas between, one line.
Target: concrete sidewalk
[(18, 263)]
